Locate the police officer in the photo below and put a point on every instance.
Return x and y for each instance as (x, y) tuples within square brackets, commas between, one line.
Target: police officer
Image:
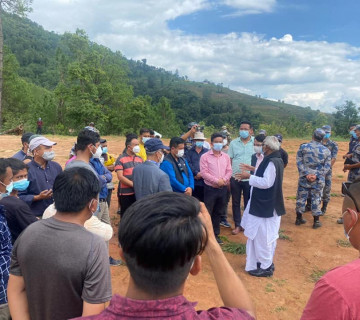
[(333, 147), (313, 161)]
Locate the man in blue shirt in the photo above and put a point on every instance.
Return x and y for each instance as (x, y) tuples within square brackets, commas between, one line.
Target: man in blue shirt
[(22, 154), (177, 168), (5, 238), (42, 174)]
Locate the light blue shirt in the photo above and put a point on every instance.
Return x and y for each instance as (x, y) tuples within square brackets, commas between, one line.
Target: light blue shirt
[(240, 152)]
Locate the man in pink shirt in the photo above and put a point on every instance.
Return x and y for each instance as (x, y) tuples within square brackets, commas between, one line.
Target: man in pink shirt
[(215, 168)]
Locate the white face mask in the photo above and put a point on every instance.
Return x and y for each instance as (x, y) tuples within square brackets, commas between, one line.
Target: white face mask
[(225, 142), (162, 158), (180, 153), (136, 149), (48, 155), (258, 149), (98, 153)]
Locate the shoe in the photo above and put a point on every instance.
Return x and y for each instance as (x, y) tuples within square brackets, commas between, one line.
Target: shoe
[(272, 267), (340, 221), (237, 230), (219, 241), (299, 221), (261, 272), (114, 262), (225, 224), (317, 224)]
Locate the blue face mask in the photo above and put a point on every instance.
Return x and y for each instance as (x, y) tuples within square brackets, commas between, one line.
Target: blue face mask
[(21, 185), (199, 144), (244, 134), (353, 133), (105, 150), (9, 189), (218, 146), (327, 135)]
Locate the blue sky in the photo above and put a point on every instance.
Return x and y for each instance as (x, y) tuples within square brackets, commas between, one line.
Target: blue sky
[(303, 52)]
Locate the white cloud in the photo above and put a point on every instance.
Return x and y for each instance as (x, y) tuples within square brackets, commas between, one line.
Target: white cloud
[(318, 74), (245, 7)]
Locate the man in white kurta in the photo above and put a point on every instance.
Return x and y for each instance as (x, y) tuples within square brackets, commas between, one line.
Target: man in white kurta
[(262, 232)]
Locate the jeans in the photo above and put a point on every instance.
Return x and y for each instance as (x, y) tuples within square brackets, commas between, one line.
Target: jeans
[(238, 187), (215, 201)]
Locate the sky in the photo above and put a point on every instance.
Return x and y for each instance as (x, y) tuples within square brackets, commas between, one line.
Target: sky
[(305, 52)]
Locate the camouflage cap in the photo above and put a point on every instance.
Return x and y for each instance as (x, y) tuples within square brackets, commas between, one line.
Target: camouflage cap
[(357, 127), (326, 128), (319, 133)]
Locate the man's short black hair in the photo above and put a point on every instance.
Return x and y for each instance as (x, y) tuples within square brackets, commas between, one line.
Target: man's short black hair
[(16, 165), (216, 135), (174, 142), (152, 132), (161, 235), (246, 122), (260, 137), (144, 130), (4, 164), (86, 137), (130, 137), (74, 188)]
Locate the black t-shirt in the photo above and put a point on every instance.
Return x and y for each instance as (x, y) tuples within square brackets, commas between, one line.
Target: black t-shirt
[(18, 215), (284, 156)]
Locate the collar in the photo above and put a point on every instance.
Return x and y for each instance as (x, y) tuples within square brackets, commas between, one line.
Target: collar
[(212, 152), (259, 155)]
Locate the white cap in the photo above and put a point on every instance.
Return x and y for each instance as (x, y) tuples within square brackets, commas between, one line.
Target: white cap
[(38, 141)]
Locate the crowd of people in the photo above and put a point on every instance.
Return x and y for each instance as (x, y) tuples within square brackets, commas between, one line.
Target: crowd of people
[(173, 200)]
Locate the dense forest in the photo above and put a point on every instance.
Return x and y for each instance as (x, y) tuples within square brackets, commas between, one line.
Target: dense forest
[(69, 81)]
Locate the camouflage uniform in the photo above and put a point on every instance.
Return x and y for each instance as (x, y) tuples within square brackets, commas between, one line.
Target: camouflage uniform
[(355, 173), (333, 147), (311, 158)]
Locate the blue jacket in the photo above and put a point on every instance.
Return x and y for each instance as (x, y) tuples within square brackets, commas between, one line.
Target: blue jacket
[(104, 175)]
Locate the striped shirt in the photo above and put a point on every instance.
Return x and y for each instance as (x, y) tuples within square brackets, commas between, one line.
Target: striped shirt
[(126, 163)]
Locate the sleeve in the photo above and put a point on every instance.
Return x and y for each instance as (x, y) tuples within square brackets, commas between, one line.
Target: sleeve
[(118, 165), (303, 171), (24, 216), (15, 268), (327, 165), (167, 167), (267, 181), (97, 283), (285, 157), (164, 184), (326, 303), (107, 174), (228, 172), (231, 150), (103, 230), (191, 176), (204, 169), (334, 151)]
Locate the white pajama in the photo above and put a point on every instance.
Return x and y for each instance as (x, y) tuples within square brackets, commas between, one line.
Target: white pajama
[(262, 233)]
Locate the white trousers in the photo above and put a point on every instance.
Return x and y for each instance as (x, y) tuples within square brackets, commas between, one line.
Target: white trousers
[(259, 250)]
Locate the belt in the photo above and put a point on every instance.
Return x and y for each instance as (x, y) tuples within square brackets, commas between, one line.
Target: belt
[(102, 200)]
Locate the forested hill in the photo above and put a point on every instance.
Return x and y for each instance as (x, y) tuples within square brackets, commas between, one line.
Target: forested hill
[(70, 81)]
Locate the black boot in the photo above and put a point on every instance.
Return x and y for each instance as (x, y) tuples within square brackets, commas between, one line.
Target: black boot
[(323, 208), (317, 223), (299, 219)]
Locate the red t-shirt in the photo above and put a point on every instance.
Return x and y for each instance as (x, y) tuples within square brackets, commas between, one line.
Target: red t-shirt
[(336, 295), (176, 308)]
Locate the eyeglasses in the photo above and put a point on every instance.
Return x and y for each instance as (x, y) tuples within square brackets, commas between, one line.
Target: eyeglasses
[(346, 192)]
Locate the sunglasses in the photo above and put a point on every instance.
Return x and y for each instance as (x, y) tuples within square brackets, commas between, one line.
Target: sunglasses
[(346, 192)]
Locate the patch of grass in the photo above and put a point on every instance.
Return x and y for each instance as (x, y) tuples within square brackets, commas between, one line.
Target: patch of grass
[(280, 282), (343, 243), (317, 274), (283, 236), (340, 176), (335, 194), (291, 198), (269, 288), (279, 309), (224, 238), (233, 247)]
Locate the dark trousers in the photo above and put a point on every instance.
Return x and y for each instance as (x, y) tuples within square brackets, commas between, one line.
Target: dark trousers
[(198, 193), (238, 187), (215, 201), (125, 202), (224, 214), (38, 130)]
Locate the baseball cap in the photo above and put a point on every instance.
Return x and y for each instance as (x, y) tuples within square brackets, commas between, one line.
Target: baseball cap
[(154, 144), (26, 137), (103, 140), (319, 133), (38, 141), (326, 128), (262, 131), (279, 137)]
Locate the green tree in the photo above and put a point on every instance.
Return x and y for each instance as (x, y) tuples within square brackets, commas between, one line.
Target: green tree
[(345, 115), (20, 7)]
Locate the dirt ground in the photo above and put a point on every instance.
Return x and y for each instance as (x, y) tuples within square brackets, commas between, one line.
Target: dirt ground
[(298, 260)]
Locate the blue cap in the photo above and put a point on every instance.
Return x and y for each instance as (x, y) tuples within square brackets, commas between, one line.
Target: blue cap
[(326, 128), (279, 137), (319, 133), (154, 144)]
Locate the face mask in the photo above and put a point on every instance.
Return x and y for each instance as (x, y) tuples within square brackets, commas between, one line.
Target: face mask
[(105, 150), (225, 142), (21, 185), (162, 158), (144, 139), (258, 149), (199, 144), (136, 149), (48, 155), (244, 134), (97, 154), (218, 146), (9, 189), (180, 153), (327, 135), (354, 135)]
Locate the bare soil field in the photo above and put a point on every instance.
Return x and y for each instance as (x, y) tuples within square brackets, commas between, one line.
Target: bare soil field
[(300, 259)]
